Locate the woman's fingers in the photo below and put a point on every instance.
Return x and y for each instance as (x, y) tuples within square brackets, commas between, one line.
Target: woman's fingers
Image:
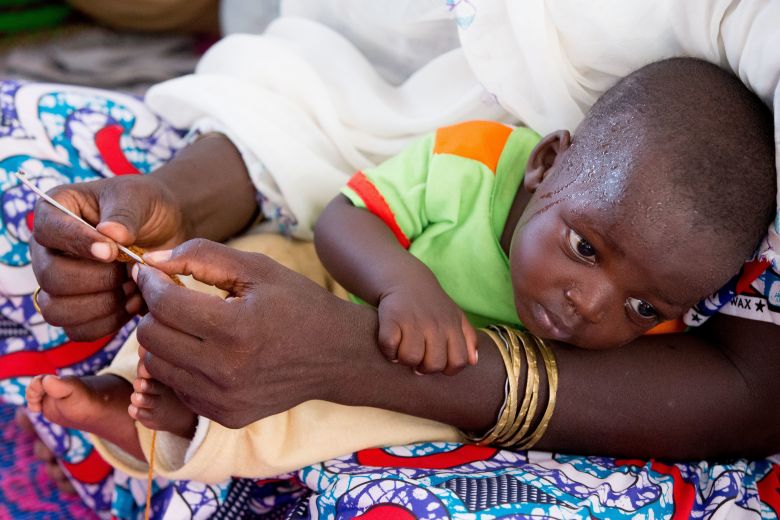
[(54, 229), (207, 261), (170, 344), (62, 275), (192, 312), (97, 328), (68, 311)]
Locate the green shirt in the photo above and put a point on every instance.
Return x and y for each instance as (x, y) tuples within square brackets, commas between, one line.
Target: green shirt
[(446, 198)]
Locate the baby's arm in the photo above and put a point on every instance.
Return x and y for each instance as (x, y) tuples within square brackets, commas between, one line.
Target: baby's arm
[(419, 325)]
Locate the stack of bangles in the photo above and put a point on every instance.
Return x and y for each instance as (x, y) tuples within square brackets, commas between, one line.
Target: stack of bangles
[(519, 426)]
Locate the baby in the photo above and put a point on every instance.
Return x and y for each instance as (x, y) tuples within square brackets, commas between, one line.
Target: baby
[(593, 239)]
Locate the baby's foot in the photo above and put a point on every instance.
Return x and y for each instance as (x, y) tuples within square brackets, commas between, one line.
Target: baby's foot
[(95, 404), (157, 407)]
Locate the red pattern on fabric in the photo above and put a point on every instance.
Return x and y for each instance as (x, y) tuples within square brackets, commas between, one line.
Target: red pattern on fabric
[(30, 219), (683, 492), (387, 512), (20, 364), (769, 489), (107, 142), (465, 454), (376, 204), (91, 470)]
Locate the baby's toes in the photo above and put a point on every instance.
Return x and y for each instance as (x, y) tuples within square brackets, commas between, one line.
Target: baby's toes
[(34, 394), (148, 386), (144, 401), (152, 418)]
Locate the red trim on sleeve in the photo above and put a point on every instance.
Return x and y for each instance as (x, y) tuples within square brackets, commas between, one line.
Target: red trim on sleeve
[(376, 204)]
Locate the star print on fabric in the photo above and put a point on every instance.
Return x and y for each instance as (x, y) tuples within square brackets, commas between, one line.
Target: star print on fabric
[(695, 317), (760, 306)]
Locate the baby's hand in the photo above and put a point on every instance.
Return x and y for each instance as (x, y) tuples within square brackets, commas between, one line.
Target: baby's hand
[(423, 328)]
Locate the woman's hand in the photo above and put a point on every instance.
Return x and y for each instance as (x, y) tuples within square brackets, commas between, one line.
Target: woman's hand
[(261, 351), (204, 191), (82, 289)]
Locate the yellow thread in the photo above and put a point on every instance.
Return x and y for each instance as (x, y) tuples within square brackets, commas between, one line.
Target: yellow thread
[(150, 477), (122, 257)]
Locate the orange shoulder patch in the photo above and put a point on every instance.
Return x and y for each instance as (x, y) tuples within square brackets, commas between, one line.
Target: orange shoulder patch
[(481, 141)]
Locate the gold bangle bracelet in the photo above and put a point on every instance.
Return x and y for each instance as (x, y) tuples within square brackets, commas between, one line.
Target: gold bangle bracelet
[(531, 399), (513, 428), (515, 416), (510, 399), (551, 367)]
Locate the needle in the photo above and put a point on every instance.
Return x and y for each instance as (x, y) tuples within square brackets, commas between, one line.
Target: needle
[(26, 182)]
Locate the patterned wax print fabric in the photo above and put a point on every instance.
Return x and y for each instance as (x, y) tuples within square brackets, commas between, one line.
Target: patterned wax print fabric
[(446, 198), (62, 134), (59, 135)]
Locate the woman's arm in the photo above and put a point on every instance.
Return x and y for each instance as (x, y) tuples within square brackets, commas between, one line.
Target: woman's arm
[(677, 396), (706, 395)]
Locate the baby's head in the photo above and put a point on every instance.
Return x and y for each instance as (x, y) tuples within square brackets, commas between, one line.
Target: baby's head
[(661, 194)]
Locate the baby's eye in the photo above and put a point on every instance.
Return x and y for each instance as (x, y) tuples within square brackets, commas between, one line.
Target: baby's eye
[(581, 247), (641, 308)]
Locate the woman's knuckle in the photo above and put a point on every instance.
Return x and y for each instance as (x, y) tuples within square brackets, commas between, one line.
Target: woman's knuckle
[(109, 278), (194, 247), (48, 280)]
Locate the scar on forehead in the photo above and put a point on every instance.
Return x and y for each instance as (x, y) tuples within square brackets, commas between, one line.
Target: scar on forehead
[(561, 188), (545, 208)]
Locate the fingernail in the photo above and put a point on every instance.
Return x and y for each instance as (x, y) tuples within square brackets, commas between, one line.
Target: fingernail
[(158, 256), (134, 272), (417, 372), (132, 410), (394, 360), (476, 357), (100, 250)]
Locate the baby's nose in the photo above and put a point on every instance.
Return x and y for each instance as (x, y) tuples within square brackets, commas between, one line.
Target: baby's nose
[(590, 304)]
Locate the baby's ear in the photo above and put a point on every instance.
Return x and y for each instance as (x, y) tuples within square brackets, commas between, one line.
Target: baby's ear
[(543, 157)]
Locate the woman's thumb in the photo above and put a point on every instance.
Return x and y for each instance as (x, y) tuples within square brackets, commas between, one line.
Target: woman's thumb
[(120, 221)]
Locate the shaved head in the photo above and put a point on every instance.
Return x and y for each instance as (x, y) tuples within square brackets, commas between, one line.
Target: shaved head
[(680, 150)]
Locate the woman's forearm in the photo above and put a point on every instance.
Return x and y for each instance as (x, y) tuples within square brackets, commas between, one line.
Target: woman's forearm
[(211, 183), (676, 396), (469, 401)]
